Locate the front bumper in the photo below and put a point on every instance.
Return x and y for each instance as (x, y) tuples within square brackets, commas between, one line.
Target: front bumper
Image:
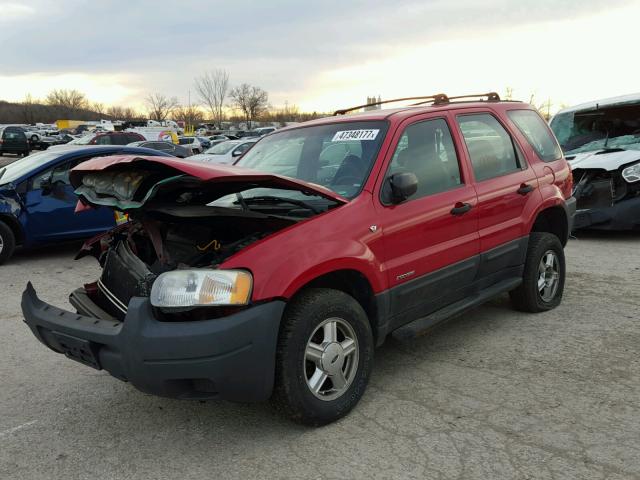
[(624, 215), (232, 357)]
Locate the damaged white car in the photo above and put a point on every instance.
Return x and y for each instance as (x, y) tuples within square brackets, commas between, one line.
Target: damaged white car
[(601, 141)]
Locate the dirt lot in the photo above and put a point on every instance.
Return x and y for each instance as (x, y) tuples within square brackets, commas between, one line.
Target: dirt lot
[(493, 395)]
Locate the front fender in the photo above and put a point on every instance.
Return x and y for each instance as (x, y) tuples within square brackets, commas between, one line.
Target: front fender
[(302, 266)]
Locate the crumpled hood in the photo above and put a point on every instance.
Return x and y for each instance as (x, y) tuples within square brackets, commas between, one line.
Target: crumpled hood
[(604, 160), (229, 178)]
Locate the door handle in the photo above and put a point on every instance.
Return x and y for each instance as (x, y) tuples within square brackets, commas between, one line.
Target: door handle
[(525, 188), (460, 208)]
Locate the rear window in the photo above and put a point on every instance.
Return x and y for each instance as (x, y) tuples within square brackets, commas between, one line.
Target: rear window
[(13, 135), (534, 128)]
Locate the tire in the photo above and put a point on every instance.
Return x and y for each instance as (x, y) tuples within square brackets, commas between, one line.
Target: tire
[(306, 321), (529, 297), (34, 138), (7, 242)]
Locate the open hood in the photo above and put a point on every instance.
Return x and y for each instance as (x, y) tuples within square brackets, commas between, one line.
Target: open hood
[(603, 159), (129, 181)]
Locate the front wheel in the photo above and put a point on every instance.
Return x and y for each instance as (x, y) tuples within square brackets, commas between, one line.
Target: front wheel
[(7, 242), (544, 272), (324, 356)]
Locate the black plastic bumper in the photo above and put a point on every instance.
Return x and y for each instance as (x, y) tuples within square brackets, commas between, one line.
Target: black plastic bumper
[(570, 208), (231, 357), (624, 215)]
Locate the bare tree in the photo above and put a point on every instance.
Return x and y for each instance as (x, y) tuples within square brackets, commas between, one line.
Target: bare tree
[(160, 106), (130, 113), (71, 100), (212, 90), (28, 109), (250, 100), (190, 114), (98, 108), (508, 93), (116, 112)]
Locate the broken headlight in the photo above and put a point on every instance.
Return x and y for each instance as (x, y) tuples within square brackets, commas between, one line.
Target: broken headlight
[(201, 288), (632, 174)]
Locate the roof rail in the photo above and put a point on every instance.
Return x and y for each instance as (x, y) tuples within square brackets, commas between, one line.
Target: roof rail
[(437, 99), (426, 99), (491, 97)]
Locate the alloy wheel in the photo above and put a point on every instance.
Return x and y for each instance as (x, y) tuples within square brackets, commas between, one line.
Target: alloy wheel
[(331, 359), (548, 275)]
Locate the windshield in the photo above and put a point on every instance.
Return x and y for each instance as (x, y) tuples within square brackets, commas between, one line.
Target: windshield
[(616, 126), (21, 167), (82, 140), (222, 148), (338, 156), (185, 141)]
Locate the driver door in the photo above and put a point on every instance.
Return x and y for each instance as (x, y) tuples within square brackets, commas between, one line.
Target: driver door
[(431, 239), (49, 213)]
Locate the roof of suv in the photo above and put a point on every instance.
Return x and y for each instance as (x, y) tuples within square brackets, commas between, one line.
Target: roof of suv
[(400, 113)]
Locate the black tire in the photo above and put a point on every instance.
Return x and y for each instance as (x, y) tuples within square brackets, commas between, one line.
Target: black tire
[(527, 297), (8, 242), (292, 395)]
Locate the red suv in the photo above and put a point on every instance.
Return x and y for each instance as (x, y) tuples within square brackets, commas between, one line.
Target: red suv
[(278, 276)]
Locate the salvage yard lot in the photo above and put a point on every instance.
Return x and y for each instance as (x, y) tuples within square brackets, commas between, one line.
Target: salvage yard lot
[(494, 394)]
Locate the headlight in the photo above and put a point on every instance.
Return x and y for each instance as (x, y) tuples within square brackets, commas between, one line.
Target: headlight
[(632, 174), (198, 288)]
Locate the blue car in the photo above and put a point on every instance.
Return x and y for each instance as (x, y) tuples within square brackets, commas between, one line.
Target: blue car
[(37, 203)]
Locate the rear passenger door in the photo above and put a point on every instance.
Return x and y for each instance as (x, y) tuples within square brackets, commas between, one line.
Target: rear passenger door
[(507, 188), (431, 250)]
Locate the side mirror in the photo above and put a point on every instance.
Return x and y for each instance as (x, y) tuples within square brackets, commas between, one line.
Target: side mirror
[(236, 153), (46, 187), (403, 185)]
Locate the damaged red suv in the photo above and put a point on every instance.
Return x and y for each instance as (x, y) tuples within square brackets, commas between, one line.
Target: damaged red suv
[(277, 277)]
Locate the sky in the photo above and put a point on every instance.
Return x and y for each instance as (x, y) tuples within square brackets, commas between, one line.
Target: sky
[(323, 55)]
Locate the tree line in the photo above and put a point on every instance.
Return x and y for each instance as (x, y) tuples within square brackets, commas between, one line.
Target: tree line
[(216, 101)]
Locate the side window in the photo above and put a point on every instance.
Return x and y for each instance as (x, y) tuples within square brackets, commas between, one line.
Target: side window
[(426, 149), (490, 146), (535, 129), (103, 140), (242, 148), (58, 175)]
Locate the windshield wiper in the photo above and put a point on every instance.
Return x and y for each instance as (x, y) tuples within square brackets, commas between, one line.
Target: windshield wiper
[(271, 200)]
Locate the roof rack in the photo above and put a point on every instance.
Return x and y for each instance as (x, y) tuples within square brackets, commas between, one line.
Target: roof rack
[(437, 99)]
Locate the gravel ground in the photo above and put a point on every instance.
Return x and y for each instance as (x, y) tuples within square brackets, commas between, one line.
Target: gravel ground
[(495, 394)]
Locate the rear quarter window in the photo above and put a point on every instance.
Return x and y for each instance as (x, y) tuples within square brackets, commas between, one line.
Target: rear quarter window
[(537, 133)]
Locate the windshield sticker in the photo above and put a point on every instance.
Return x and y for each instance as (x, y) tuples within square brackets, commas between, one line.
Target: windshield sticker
[(353, 135)]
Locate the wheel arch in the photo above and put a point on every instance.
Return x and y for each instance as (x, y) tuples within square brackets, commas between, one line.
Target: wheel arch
[(355, 284), (552, 219), (15, 227)]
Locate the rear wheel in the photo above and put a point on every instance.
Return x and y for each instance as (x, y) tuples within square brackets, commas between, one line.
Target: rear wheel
[(544, 272), (324, 356), (7, 242)]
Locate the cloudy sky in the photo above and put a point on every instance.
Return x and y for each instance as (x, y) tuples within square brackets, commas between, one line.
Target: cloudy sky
[(321, 55)]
